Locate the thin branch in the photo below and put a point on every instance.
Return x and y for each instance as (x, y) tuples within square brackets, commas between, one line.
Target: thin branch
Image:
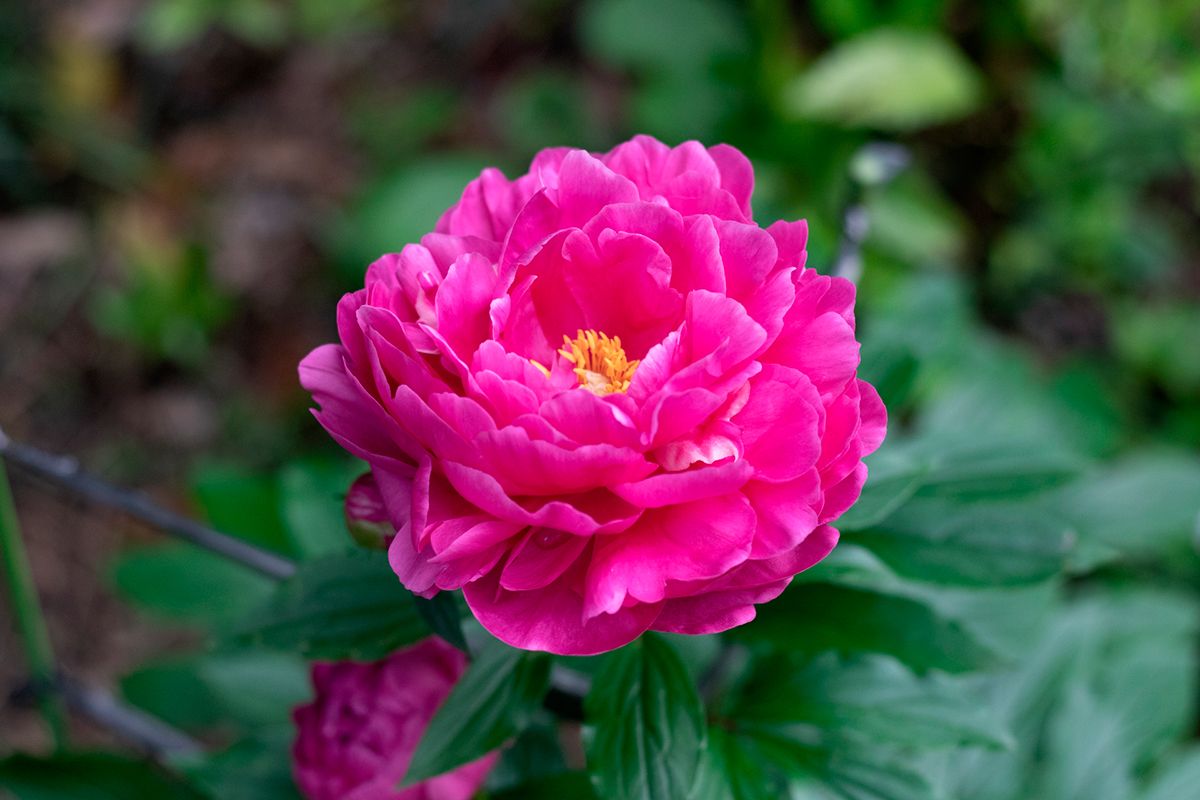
[(142, 731), (66, 473)]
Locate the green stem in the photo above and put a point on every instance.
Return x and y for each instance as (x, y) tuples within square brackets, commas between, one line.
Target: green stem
[(28, 611)]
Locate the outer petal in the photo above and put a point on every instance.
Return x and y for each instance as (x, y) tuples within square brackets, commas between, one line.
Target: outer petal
[(731, 602), (693, 541), (552, 619)]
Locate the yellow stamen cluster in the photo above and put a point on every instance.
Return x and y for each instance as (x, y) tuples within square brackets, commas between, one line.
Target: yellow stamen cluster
[(600, 362)]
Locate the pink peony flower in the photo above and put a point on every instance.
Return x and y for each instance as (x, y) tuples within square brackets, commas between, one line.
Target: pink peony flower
[(601, 400), (354, 741)]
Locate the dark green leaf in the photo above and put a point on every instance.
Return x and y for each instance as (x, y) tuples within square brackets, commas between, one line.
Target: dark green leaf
[(573, 785), (173, 692), (443, 614), (96, 776), (493, 701), (348, 606), (649, 724)]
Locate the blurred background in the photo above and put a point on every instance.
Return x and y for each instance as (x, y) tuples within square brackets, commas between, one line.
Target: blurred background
[(187, 186)]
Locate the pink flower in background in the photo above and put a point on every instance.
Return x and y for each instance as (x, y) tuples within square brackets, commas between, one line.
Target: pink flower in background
[(600, 399), (355, 740)]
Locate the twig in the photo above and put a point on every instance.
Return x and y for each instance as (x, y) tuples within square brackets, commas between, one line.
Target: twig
[(143, 731), (66, 473), (28, 611)]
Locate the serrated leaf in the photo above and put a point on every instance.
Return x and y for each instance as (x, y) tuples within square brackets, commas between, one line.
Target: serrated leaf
[(893, 79), (348, 606), (649, 724), (96, 776), (493, 701)]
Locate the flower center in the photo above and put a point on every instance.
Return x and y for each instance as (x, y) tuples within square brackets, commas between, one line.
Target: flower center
[(600, 362)]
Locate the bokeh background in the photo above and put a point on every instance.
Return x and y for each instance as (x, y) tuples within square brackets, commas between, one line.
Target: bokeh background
[(187, 186)]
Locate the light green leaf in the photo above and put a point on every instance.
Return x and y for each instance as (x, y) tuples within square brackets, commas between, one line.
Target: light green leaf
[(892, 79), (649, 724)]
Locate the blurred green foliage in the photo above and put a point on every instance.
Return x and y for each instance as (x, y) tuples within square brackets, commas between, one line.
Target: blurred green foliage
[(1012, 612)]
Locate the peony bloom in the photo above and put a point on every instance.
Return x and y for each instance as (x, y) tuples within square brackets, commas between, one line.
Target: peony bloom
[(354, 741), (601, 400)]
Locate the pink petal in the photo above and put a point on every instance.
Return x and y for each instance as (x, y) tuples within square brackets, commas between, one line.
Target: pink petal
[(781, 424), (693, 541), (551, 619), (730, 602), (674, 488), (540, 558)]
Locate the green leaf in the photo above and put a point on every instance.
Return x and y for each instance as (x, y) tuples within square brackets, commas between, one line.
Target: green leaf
[(944, 541), (252, 769), (812, 617), (243, 504), (1085, 758), (180, 581), (255, 688), (573, 785), (443, 614), (493, 701), (733, 769), (96, 776), (1144, 504), (649, 724), (891, 79), (892, 479), (348, 606), (312, 495), (173, 692), (399, 209), (630, 34), (873, 697), (1176, 779)]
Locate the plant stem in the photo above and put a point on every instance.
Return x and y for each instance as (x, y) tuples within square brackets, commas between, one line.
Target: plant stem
[(28, 612)]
